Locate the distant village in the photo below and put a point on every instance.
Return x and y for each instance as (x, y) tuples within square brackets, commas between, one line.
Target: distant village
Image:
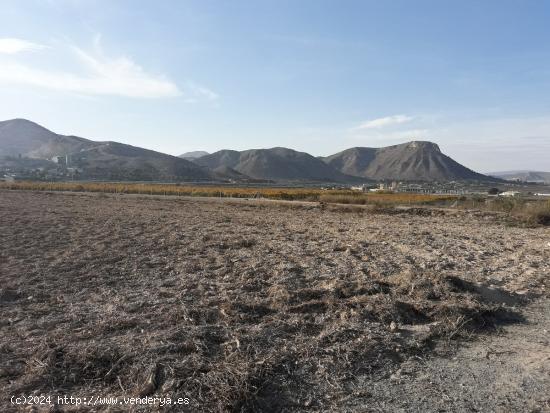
[(512, 189), (57, 168)]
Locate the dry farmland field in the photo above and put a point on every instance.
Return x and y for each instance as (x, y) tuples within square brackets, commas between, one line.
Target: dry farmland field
[(256, 305), (276, 193)]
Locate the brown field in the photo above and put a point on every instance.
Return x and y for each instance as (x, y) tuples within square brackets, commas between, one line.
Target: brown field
[(265, 306)]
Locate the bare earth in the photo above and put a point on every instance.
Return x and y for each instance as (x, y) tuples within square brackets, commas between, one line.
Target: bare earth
[(257, 306)]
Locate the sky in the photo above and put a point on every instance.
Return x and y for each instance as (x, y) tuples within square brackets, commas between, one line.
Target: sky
[(317, 76)]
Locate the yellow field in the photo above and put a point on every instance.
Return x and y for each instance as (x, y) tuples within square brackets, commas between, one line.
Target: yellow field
[(297, 194), (359, 198)]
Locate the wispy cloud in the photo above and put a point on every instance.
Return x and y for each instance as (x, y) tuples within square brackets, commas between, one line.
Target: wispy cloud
[(13, 46), (102, 75), (384, 122), (195, 93)]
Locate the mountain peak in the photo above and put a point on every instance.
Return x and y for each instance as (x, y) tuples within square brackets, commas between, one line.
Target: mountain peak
[(410, 161), (22, 123), (422, 145), (193, 154)]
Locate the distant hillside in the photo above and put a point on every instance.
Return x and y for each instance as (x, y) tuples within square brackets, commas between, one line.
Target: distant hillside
[(279, 164), (523, 176), (97, 160), (412, 161), (227, 173), (113, 160), (193, 155), (26, 146), (26, 138)]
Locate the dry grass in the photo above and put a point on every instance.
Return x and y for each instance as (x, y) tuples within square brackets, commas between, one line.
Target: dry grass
[(517, 210), (167, 189), (293, 194), (536, 213), (385, 198)]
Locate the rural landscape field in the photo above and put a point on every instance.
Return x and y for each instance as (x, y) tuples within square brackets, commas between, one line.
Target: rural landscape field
[(257, 206), (256, 305)]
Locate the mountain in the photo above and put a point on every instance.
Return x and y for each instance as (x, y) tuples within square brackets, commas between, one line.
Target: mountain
[(193, 155), (21, 140), (26, 138), (278, 164), (113, 160), (523, 176), (411, 161), (26, 146)]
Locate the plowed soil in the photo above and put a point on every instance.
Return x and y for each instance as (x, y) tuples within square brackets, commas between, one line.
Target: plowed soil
[(266, 306)]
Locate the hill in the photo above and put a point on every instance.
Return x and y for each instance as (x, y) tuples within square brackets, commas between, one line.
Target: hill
[(113, 161), (193, 155), (278, 164), (411, 161), (523, 176), (21, 140), (28, 139)]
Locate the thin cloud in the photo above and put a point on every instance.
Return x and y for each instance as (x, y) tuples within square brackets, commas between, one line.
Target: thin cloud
[(195, 93), (102, 75), (384, 122), (11, 45)]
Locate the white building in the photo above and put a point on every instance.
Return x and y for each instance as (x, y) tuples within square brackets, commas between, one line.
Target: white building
[(510, 193)]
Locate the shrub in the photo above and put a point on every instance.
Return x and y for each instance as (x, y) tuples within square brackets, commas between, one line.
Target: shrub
[(538, 214)]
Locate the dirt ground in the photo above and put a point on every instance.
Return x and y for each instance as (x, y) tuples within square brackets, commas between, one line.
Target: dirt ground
[(266, 306)]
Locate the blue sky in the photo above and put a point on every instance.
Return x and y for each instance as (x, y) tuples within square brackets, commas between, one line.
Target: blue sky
[(318, 76)]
